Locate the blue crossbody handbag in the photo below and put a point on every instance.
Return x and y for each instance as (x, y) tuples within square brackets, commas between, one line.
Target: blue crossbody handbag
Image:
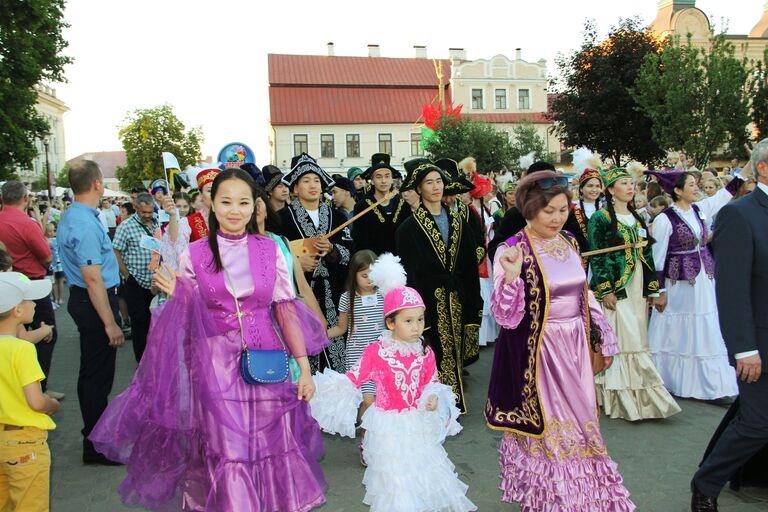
[(260, 366)]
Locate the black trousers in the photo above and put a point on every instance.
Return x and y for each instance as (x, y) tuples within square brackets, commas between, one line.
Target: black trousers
[(44, 313), (743, 438), (138, 300), (97, 358)]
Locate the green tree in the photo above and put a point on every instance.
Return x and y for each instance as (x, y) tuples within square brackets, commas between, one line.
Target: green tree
[(697, 98), (30, 52), (60, 179), (593, 106), (490, 147), (759, 89), (525, 139), (145, 134)]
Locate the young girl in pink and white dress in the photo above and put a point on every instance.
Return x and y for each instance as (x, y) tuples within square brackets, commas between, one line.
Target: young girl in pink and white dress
[(408, 468)]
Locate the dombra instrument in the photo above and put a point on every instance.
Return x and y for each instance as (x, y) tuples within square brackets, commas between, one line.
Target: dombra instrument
[(306, 246), (637, 245)]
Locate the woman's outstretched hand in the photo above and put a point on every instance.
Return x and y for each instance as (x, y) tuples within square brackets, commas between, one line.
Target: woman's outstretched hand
[(165, 280)]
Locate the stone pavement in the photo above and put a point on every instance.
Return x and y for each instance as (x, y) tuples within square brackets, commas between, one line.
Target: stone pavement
[(656, 458)]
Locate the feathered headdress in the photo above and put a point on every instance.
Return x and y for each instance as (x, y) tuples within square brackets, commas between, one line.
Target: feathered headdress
[(389, 276), (635, 169), (387, 273), (527, 160), (587, 165), (506, 182)]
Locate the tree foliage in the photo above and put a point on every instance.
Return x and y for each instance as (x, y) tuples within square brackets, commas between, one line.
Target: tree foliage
[(60, 179), (145, 134), (30, 52), (593, 106), (697, 98), (759, 89), (525, 139), (490, 147)]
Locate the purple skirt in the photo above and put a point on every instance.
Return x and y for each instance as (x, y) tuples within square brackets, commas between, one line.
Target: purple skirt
[(194, 436)]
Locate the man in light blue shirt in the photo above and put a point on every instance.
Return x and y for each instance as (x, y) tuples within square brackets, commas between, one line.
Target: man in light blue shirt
[(92, 274)]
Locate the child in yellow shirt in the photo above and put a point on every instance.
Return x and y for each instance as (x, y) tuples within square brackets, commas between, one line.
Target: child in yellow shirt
[(25, 460)]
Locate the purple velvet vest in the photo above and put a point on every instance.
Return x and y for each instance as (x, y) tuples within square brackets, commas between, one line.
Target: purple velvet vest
[(686, 253), (259, 327), (513, 398)]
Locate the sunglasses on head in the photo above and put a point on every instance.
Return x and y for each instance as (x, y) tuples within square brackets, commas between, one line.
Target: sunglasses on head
[(547, 183)]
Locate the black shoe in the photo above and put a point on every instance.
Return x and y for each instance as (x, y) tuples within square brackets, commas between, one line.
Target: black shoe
[(700, 502), (97, 459)]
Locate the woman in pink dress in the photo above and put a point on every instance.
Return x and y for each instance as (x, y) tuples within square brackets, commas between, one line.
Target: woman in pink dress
[(542, 393)]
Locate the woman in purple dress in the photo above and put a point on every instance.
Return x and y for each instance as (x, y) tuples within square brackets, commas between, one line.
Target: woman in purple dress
[(542, 393), (192, 433)]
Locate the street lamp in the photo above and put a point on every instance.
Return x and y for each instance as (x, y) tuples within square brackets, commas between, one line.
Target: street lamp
[(44, 138)]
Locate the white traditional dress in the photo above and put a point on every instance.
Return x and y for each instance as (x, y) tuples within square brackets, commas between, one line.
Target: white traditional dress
[(688, 349)]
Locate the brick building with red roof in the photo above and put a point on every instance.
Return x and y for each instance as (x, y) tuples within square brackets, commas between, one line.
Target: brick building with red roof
[(341, 110)]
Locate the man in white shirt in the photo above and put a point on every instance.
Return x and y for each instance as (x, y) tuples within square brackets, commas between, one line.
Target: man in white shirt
[(108, 218)]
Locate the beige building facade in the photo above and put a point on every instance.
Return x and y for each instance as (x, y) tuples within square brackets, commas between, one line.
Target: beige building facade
[(53, 110), (682, 17)]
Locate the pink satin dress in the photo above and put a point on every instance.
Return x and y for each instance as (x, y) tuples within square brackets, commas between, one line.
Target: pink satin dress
[(569, 469)]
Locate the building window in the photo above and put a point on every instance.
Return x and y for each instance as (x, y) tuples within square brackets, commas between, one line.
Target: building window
[(416, 149), (524, 99), (501, 99), (326, 146), (353, 145), (385, 143), (300, 144), (477, 99)]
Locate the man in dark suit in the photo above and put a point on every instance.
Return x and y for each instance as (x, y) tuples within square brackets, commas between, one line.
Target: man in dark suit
[(514, 221), (741, 276)]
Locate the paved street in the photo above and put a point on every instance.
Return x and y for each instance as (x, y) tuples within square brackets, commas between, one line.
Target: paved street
[(656, 458)]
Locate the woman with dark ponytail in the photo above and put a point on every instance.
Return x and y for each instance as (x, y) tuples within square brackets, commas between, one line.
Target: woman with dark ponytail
[(625, 281), (590, 189)]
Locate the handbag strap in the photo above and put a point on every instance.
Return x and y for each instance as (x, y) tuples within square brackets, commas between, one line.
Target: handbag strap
[(237, 306), (240, 314)]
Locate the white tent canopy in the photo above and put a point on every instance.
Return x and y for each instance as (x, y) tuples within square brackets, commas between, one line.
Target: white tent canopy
[(115, 193)]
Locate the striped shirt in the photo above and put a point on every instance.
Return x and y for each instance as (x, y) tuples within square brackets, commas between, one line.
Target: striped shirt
[(366, 328)]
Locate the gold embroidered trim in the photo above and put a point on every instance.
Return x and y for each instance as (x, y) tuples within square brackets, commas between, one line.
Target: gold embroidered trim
[(376, 211), (449, 330), (564, 440), (527, 413)]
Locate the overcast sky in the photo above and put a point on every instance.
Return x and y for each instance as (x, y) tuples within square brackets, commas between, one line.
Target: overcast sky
[(209, 58)]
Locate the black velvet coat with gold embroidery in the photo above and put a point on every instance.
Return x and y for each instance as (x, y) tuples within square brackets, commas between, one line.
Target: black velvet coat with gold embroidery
[(446, 276), (376, 229), (611, 272)]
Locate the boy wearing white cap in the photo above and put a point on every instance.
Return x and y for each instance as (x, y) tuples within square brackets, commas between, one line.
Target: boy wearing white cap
[(25, 460)]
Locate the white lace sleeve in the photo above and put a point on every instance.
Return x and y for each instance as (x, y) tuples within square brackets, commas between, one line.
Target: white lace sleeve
[(335, 403), (445, 417), (172, 251)]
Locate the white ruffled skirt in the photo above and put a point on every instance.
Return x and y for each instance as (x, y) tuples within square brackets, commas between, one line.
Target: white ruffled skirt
[(688, 349), (408, 468)]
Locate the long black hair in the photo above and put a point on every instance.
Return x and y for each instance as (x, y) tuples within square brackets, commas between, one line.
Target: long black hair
[(271, 223), (615, 221)]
